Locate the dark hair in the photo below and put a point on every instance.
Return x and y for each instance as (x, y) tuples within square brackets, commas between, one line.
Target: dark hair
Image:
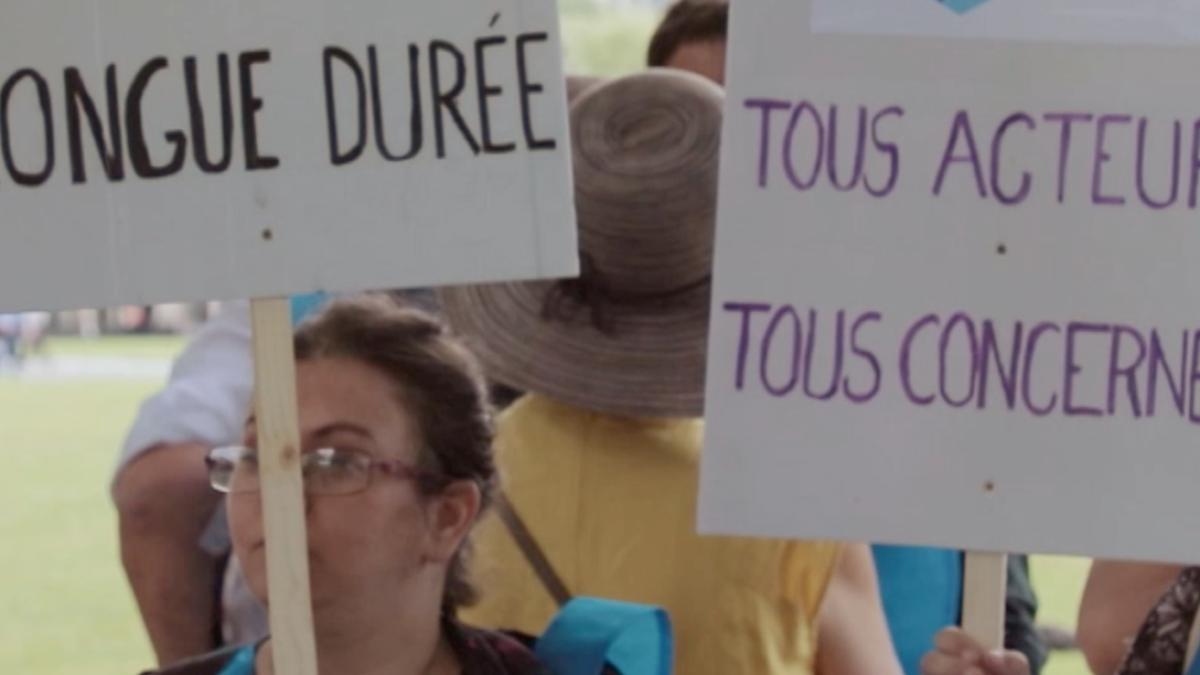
[(438, 378), (687, 21)]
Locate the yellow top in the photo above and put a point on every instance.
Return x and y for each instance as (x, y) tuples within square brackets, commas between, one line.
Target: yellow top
[(612, 502)]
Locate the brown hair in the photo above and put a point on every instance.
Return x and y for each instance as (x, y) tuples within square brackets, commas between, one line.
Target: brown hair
[(438, 378), (688, 21)]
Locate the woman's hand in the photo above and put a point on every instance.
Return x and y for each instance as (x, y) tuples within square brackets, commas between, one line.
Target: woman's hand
[(956, 653)]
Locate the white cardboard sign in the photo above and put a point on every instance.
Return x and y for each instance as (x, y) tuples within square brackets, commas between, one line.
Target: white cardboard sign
[(170, 150), (956, 299)]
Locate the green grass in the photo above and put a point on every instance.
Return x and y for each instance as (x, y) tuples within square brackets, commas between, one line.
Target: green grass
[(604, 42), (132, 346), (66, 608), (1059, 584), (66, 605)]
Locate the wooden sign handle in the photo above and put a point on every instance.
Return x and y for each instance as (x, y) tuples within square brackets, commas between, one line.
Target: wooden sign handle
[(1193, 643), (985, 584), (292, 637)]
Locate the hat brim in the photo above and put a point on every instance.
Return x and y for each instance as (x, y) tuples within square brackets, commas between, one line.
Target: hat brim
[(648, 361)]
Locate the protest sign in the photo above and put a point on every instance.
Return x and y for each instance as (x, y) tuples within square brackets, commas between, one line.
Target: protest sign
[(955, 291), (157, 151)]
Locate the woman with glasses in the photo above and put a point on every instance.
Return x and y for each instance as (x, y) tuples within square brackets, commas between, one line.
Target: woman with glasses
[(397, 463)]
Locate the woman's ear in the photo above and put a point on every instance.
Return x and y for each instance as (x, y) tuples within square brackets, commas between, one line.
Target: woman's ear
[(450, 515)]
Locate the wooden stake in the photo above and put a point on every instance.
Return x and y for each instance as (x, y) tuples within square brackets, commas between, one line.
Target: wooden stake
[(985, 584), (292, 636), (1193, 643)]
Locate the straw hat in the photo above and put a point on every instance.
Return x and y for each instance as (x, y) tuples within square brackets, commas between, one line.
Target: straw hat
[(628, 337)]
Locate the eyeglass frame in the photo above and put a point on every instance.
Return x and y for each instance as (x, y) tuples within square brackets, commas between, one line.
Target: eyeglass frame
[(394, 468)]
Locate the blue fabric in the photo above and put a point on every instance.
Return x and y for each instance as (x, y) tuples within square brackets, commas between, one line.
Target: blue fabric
[(962, 6), (922, 594), (588, 633), (305, 305), (242, 662), (1195, 669)]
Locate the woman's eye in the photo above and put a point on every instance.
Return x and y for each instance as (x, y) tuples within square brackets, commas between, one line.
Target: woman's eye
[(333, 459)]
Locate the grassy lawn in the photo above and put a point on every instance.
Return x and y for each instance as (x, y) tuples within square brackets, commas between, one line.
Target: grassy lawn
[(131, 346), (66, 606), (603, 42), (1059, 583)]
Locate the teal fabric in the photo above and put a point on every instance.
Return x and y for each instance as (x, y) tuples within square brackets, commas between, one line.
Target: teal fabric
[(921, 590), (305, 305), (589, 633), (1195, 669), (242, 663)]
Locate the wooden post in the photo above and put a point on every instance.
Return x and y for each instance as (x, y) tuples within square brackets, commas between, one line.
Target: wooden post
[(985, 584), (1193, 643), (292, 636)]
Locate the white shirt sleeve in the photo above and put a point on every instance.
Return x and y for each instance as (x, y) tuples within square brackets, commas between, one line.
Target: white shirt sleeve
[(208, 396)]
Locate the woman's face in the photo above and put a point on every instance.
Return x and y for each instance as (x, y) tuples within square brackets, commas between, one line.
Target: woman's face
[(383, 541)]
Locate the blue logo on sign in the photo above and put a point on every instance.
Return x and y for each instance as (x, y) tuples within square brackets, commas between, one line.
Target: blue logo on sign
[(962, 6)]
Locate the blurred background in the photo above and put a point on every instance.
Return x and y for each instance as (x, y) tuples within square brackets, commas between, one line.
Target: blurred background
[(71, 382)]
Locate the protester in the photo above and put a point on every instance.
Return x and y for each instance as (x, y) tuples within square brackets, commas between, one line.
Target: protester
[(10, 336), (601, 460), (691, 37), (174, 539), (956, 653), (397, 446), (1117, 598), (172, 533), (1159, 646)]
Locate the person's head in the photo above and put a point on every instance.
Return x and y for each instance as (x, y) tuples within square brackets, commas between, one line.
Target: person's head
[(627, 337), (396, 435), (692, 37)]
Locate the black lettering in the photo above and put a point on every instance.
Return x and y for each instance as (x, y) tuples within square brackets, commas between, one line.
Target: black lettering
[(415, 140), (526, 87), (139, 154), (250, 107), (77, 97), (487, 91), (43, 93), (196, 111), (335, 149), (447, 100)]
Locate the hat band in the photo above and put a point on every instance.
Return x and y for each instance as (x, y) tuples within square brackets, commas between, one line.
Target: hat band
[(593, 291)]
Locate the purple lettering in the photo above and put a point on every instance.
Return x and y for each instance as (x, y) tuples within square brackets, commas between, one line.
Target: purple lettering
[(889, 149), (1158, 359), (905, 358), (768, 339), (1027, 370), (767, 106), (1141, 164), (989, 352), (1073, 368), (1192, 415), (962, 127), (838, 346), (944, 346), (747, 309), (1064, 147), (867, 356), (859, 153), (1101, 158), (1026, 177), (789, 141), (1117, 371), (1195, 164)]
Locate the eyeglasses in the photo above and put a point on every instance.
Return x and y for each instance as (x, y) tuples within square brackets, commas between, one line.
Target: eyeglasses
[(326, 471)]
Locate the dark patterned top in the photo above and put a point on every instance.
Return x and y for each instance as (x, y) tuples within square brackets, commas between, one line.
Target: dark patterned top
[(480, 653), (1160, 647)]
